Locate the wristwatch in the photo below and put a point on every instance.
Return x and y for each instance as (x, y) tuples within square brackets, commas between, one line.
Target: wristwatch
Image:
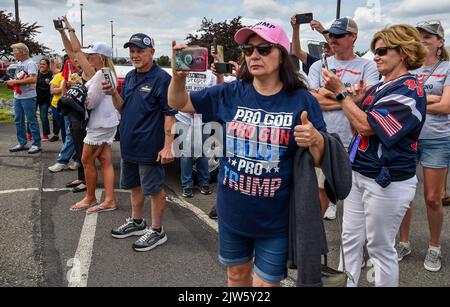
[(342, 96)]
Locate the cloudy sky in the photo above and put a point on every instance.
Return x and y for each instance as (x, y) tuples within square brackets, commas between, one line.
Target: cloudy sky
[(166, 20)]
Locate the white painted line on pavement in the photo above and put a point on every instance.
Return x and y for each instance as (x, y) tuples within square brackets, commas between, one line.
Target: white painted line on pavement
[(19, 191), (78, 275), (198, 212)]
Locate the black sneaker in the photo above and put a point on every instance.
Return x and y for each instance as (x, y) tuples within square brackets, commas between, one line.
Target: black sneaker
[(150, 240), (187, 192), (54, 139), (129, 229), (213, 214), (205, 190), (18, 148)]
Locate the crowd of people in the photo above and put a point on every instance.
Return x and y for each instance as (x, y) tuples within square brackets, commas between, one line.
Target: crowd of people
[(389, 114)]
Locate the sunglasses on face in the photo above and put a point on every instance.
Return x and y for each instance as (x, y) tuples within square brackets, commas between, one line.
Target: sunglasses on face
[(382, 51), (263, 49), (337, 36)]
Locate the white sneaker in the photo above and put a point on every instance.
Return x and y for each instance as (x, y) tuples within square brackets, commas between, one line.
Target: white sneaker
[(34, 150), (74, 165), (330, 214), (58, 167)]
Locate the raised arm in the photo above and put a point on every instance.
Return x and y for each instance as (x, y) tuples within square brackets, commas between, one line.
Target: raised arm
[(87, 68), (296, 46)]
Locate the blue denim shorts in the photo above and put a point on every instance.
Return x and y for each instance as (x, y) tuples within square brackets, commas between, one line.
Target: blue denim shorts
[(435, 153), (270, 254), (149, 177)]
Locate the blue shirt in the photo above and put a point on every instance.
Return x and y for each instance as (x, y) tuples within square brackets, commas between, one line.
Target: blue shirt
[(142, 124), (310, 60), (396, 112), (256, 173)]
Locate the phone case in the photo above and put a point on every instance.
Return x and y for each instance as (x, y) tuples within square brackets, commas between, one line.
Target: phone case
[(192, 59), (108, 76), (58, 24), (224, 68)]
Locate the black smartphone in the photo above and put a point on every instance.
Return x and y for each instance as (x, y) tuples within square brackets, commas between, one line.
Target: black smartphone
[(304, 18), (224, 68), (58, 24), (214, 46)]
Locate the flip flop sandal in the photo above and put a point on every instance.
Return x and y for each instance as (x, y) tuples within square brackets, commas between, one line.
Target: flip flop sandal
[(82, 208), (99, 209)]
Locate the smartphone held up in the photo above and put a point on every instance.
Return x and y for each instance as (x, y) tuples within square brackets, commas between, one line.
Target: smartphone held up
[(304, 18), (108, 76), (193, 59), (58, 23)]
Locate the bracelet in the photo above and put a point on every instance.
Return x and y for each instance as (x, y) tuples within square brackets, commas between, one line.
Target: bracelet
[(71, 30)]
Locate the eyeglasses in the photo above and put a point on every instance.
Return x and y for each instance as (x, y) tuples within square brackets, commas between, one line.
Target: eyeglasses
[(382, 51), (263, 49), (337, 36)]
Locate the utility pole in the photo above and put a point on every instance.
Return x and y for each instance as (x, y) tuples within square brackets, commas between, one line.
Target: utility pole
[(112, 36), (16, 6), (338, 12), (82, 24)]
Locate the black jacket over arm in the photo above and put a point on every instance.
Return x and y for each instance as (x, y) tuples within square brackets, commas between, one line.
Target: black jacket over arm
[(307, 238)]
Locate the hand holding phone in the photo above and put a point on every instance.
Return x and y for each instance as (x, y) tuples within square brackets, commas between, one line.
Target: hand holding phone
[(58, 23), (304, 18), (191, 59), (324, 61), (108, 76)]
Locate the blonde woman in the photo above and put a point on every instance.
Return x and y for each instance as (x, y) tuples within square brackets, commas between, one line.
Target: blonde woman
[(388, 120), (102, 124), (434, 142)]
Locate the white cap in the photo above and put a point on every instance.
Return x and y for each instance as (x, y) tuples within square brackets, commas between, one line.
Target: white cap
[(99, 48)]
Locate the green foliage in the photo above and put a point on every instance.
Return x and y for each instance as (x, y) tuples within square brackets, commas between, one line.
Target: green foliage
[(164, 61), (9, 35), (223, 32)]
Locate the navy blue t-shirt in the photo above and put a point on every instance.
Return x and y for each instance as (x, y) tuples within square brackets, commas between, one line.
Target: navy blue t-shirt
[(396, 112), (142, 124), (310, 59), (256, 172)]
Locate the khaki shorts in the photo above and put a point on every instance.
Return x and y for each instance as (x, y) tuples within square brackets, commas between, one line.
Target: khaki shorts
[(320, 178)]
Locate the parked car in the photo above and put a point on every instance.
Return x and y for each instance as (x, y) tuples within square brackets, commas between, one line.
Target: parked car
[(4, 67)]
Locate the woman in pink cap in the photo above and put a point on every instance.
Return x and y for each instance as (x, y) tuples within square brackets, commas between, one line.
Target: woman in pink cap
[(258, 115)]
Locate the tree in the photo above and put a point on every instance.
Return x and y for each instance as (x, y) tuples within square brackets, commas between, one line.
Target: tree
[(223, 32), (9, 35), (164, 61)]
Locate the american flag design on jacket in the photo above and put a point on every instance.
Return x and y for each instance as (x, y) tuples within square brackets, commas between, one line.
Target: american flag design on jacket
[(396, 112)]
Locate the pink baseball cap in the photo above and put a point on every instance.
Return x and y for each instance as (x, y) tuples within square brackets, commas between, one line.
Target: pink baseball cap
[(268, 31)]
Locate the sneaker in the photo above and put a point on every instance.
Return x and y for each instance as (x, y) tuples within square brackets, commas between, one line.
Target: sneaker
[(205, 190), (433, 262), (29, 137), (58, 167), (150, 240), (330, 214), (213, 213), (403, 250), (54, 139), (34, 150), (187, 193), (18, 148), (73, 165), (129, 229), (45, 138)]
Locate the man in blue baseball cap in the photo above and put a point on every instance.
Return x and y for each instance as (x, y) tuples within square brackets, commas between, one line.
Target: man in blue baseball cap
[(146, 141)]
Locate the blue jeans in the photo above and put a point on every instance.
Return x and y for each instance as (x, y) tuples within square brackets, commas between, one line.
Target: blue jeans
[(68, 148), (26, 108), (44, 119), (186, 172), (60, 120)]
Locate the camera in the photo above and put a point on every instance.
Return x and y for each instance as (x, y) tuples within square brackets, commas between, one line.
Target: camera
[(224, 68), (58, 24), (304, 18), (191, 59)]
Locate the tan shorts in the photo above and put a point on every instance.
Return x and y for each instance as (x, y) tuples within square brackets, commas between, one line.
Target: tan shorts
[(320, 178)]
